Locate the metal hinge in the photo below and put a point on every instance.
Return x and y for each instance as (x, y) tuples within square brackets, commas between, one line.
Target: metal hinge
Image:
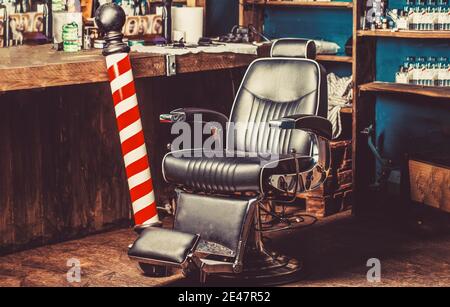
[(171, 65)]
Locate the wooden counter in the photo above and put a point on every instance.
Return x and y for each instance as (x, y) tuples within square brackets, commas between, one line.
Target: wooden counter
[(28, 67), (61, 167)]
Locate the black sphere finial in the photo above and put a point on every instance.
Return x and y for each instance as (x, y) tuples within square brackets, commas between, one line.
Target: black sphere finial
[(110, 19)]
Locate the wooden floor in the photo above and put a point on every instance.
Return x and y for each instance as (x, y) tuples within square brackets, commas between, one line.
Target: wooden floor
[(335, 252)]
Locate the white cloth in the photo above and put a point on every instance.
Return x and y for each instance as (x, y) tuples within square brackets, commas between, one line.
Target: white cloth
[(228, 47), (340, 95)]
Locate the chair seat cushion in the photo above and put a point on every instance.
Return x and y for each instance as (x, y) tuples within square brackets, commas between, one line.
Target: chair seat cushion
[(221, 173), (163, 245)]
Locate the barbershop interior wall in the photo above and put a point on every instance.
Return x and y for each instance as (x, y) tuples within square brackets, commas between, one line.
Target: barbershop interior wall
[(221, 16), (317, 23)]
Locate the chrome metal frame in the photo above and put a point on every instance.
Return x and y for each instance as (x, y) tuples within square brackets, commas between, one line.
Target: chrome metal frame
[(306, 180), (210, 266), (200, 259)]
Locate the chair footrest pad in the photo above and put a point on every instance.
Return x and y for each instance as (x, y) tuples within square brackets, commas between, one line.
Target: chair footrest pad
[(163, 245)]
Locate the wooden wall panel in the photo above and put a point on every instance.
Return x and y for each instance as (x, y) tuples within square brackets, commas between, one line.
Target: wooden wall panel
[(6, 208)]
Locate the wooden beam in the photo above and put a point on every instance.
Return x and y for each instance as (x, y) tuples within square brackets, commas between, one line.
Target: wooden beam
[(363, 71), (251, 13)]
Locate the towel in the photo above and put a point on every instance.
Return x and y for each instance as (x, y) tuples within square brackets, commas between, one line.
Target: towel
[(228, 47), (340, 95)]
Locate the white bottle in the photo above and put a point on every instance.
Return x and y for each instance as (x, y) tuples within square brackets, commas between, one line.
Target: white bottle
[(442, 75), (447, 21), (412, 19), (415, 74), (447, 81), (441, 18), (402, 77)]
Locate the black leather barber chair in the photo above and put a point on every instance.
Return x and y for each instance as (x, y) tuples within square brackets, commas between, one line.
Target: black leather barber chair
[(276, 146)]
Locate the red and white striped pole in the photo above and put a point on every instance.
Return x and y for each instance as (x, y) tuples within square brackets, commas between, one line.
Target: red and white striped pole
[(110, 19)]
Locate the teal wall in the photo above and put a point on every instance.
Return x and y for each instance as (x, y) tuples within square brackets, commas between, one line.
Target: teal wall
[(317, 23), (408, 124), (221, 16)]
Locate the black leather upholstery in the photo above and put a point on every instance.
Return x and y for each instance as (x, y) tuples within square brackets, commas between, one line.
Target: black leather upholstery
[(294, 48), (275, 88), (216, 219), (316, 124), (200, 171), (188, 115), (163, 244), (271, 89)]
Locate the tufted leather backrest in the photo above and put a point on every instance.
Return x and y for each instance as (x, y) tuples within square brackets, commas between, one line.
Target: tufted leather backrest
[(273, 88)]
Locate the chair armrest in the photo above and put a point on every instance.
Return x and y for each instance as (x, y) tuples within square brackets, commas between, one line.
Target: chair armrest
[(311, 123), (187, 115)]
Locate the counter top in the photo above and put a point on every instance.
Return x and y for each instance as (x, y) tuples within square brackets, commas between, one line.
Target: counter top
[(29, 67)]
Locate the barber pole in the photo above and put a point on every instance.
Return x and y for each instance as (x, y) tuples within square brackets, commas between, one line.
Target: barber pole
[(110, 19)]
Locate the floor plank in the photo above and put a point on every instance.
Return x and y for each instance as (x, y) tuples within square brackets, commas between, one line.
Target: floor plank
[(335, 251)]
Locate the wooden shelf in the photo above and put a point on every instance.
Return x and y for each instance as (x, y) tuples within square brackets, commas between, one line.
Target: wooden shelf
[(387, 87), (406, 34), (327, 4), (334, 58)]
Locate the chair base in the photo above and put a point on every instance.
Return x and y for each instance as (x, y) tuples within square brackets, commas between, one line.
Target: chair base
[(152, 270), (263, 269)]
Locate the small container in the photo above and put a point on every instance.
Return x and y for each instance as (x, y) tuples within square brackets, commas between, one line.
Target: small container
[(99, 43), (71, 46), (70, 37), (89, 35), (70, 32), (136, 42)]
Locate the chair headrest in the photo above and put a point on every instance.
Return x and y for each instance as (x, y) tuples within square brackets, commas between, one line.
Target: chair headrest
[(294, 48)]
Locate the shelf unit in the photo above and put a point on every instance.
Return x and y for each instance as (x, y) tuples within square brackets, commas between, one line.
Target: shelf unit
[(367, 88), (251, 12)]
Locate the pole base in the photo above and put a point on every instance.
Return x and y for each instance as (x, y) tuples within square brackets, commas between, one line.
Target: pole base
[(152, 270), (139, 228), (263, 269)]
